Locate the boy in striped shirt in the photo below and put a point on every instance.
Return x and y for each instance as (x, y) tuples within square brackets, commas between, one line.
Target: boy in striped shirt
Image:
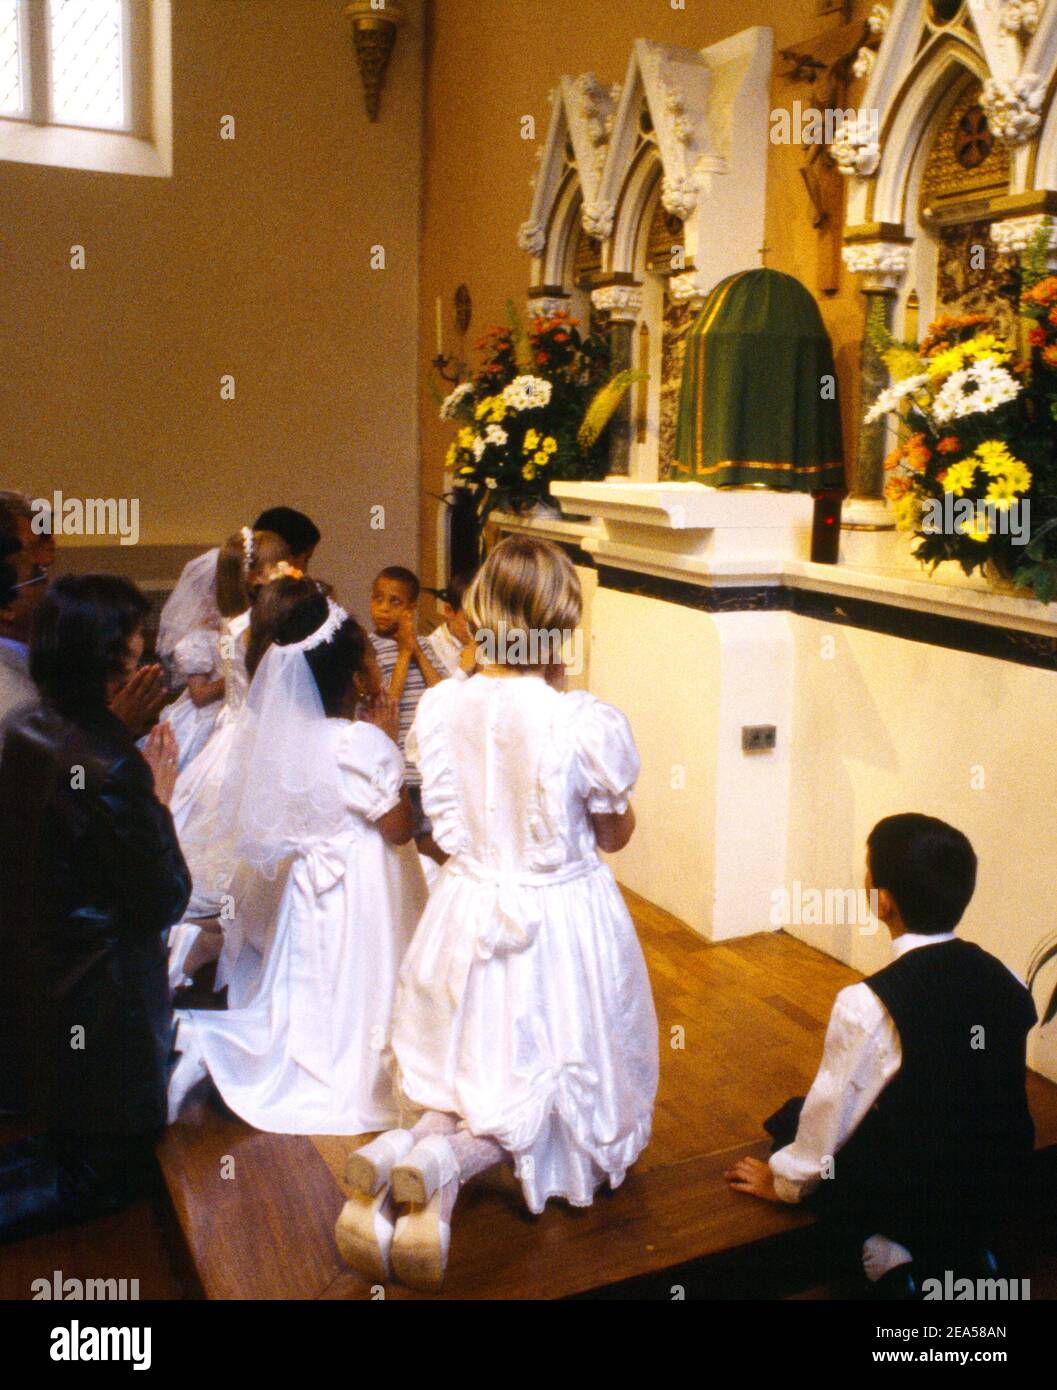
[(409, 666)]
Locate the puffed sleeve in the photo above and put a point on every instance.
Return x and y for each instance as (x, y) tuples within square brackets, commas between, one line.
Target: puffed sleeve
[(196, 654), (373, 769), (428, 747), (607, 757)]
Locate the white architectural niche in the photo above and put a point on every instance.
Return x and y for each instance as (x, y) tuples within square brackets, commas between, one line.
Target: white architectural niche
[(663, 145), (696, 124), (937, 61), (571, 162)]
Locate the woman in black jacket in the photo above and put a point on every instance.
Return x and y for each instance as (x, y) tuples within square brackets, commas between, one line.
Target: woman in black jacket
[(91, 878)]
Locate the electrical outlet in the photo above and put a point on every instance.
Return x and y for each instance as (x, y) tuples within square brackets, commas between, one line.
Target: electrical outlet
[(758, 738)]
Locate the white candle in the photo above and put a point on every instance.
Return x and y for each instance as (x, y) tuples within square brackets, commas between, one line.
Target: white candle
[(440, 338)]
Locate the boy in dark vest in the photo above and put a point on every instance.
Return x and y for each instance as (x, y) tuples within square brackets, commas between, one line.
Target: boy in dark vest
[(916, 1131)]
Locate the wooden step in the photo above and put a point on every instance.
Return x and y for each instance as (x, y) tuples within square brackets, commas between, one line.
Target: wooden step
[(256, 1213)]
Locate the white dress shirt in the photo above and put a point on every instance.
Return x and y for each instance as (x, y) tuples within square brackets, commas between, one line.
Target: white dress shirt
[(861, 1055)]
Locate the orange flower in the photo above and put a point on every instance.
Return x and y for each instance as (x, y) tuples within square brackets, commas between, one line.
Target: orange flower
[(542, 357), (1053, 317), (1049, 356), (1045, 292), (1037, 336), (893, 459), (918, 453), (896, 488)]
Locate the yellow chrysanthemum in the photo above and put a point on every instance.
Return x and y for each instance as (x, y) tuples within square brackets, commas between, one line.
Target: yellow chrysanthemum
[(532, 440), (465, 437), (451, 456), (465, 469), (540, 459), (950, 360), (987, 345), (484, 406), (907, 512), (1018, 475), (902, 363), (960, 477), (529, 472), (994, 457), (498, 411), (550, 445), (1001, 492), (976, 530)]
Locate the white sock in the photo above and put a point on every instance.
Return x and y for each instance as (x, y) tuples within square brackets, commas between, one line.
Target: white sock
[(879, 1255), (434, 1122)]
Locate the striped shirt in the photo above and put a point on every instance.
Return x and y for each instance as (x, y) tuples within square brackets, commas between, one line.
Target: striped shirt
[(387, 651)]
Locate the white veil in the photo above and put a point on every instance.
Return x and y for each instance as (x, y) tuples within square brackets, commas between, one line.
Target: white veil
[(285, 786), (192, 603)]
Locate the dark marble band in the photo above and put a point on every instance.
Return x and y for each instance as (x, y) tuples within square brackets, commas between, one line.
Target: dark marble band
[(933, 629)]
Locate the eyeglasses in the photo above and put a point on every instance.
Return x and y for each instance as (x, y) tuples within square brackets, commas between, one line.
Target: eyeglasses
[(40, 576)]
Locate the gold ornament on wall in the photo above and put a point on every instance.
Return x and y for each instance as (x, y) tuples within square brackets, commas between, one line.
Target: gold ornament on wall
[(374, 26)]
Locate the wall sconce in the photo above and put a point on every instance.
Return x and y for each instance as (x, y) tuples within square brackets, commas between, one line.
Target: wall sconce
[(374, 26)]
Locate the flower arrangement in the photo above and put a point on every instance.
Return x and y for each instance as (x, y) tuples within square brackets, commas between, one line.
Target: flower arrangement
[(537, 409), (974, 475)]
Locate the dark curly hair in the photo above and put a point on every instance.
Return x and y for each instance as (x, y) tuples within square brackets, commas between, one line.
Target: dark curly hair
[(80, 638), (295, 609)]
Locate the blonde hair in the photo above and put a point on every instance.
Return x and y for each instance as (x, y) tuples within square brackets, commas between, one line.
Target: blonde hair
[(525, 586), (241, 567)]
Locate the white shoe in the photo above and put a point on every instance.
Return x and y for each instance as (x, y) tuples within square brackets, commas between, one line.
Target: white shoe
[(190, 1069), (421, 1242), (365, 1235), (368, 1169), (429, 1166)]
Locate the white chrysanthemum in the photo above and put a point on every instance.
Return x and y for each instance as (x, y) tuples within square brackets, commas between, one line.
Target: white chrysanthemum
[(495, 434), (878, 19), (479, 447), (490, 482), (994, 386), (527, 393), (451, 403), (891, 399), (864, 62)]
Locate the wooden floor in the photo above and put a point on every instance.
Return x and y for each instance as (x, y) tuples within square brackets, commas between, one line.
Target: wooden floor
[(742, 1025)]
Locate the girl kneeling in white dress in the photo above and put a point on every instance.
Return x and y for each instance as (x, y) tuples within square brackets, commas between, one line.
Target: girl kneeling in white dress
[(319, 800), (524, 1026)]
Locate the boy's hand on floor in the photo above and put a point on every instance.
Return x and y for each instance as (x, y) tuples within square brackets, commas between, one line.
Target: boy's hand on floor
[(753, 1176)]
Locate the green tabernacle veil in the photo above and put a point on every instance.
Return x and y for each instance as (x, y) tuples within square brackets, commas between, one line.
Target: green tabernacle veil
[(759, 400)]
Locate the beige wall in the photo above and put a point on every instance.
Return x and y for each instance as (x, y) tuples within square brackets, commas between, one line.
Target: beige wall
[(487, 66), (252, 259)]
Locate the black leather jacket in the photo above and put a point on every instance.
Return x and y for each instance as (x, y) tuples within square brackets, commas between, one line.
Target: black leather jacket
[(91, 878)]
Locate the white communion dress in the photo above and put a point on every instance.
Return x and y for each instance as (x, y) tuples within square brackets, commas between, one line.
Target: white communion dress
[(524, 1005), (197, 654), (202, 821), (307, 1050)]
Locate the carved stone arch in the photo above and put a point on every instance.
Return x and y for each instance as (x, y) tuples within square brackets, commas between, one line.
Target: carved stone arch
[(930, 88), (1041, 57), (640, 185), (563, 231), (1043, 168)]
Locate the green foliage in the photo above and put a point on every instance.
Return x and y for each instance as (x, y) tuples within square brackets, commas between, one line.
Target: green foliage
[(604, 405)]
